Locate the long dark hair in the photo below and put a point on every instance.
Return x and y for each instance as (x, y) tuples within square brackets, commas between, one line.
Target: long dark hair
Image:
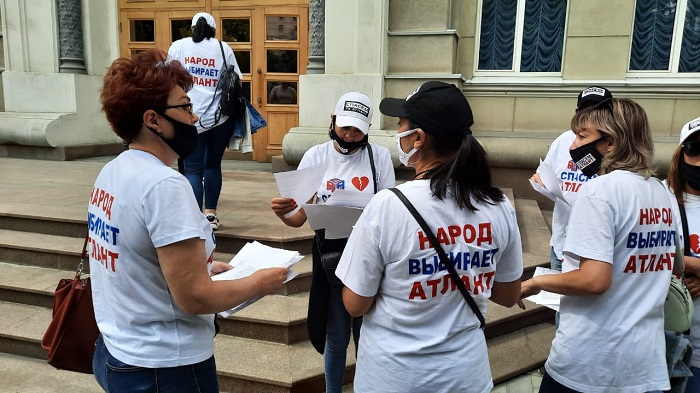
[(465, 174), (676, 182), (202, 30)]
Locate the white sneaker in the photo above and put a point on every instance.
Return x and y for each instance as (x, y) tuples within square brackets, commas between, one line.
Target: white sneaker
[(213, 220)]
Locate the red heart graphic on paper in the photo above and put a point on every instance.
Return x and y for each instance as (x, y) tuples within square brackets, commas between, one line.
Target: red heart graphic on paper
[(360, 182), (695, 243)]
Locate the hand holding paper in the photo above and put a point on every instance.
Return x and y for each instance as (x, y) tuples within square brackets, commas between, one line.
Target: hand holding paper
[(547, 299), (252, 258), (299, 185), (551, 189)]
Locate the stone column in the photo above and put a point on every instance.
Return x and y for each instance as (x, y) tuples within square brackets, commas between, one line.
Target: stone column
[(353, 60), (70, 36), (317, 23)]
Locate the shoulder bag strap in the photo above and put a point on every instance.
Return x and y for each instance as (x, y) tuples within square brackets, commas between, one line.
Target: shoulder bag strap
[(371, 164), (443, 257), (83, 255), (221, 46), (684, 221), (217, 115)]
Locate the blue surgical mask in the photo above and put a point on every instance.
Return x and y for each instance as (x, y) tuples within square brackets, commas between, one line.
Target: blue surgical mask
[(403, 156)]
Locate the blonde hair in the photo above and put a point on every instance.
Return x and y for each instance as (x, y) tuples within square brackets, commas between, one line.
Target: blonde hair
[(626, 123)]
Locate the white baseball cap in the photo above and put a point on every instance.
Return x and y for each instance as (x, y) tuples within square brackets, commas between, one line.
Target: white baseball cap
[(354, 109), (689, 129), (210, 19)]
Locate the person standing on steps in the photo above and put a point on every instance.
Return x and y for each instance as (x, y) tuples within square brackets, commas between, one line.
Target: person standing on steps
[(152, 249), (419, 333), (611, 329), (203, 57), (570, 176), (570, 180), (352, 163)]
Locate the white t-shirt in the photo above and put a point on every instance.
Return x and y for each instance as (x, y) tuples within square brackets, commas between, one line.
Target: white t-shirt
[(692, 211), (421, 335), (204, 62), (570, 181), (139, 204), (350, 172), (614, 342)]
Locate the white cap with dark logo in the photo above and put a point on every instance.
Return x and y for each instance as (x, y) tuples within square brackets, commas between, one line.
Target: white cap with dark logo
[(210, 19), (689, 129), (354, 109)]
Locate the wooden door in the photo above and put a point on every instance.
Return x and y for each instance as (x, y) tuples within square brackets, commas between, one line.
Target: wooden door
[(274, 54), (268, 37)]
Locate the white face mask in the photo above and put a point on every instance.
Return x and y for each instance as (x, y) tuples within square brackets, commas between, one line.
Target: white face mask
[(403, 156)]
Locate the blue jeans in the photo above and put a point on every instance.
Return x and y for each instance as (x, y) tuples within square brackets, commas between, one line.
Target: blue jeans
[(554, 262), (203, 166), (693, 385), (338, 328), (115, 376)]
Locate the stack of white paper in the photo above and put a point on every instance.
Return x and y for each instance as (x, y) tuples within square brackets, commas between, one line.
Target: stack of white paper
[(547, 299), (253, 257)]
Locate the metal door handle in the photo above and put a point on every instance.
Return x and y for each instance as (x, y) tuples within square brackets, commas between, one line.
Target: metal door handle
[(259, 71)]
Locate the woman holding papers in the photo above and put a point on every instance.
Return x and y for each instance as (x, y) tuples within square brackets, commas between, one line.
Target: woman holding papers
[(351, 163), (151, 248), (619, 252), (419, 333)]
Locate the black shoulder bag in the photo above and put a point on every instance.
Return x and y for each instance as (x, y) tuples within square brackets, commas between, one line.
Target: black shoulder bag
[(443, 257), (330, 250)]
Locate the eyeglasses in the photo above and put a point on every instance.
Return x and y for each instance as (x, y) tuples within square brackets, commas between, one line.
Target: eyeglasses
[(187, 107), (692, 148)]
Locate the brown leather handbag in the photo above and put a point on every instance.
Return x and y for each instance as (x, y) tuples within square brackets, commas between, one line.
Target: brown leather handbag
[(71, 335)]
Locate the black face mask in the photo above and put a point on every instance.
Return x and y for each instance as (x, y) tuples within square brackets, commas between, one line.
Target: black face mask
[(185, 140), (346, 147), (587, 158), (690, 173)]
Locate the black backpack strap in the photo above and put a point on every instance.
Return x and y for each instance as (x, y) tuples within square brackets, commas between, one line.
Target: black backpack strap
[(221, 46), (686, 238), (371, 164), (443, 257), (217, 115)]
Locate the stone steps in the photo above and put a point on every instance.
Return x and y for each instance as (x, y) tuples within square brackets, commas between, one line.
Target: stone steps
[(262, 366), (263, 348)]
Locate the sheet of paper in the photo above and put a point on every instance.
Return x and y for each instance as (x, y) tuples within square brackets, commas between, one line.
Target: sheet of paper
[(544, 298), (253, 257), (337, 220), (349, 198), (537, 187), (551, 183), (299, 185)]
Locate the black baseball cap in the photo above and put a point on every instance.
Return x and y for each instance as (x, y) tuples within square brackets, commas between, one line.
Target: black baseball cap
[(438, 108), (592, 96)]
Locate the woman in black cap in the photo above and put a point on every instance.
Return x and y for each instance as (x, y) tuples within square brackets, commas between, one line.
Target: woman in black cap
[(419, 331)]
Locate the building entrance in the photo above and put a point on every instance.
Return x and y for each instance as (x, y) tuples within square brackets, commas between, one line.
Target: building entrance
[(270, 40)]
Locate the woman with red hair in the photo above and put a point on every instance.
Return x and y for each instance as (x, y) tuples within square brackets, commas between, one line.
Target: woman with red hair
[(151, 248)]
